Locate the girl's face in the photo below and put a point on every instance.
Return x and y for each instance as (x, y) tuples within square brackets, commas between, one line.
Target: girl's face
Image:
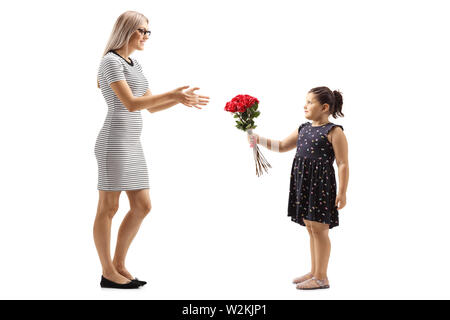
[(137, 40), (313, 109)]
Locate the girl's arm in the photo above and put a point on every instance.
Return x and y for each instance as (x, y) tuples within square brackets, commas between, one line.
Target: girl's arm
[(340, 147), (288, 143)]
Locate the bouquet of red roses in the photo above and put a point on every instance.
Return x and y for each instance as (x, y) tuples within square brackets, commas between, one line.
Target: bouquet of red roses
[(245, 108)]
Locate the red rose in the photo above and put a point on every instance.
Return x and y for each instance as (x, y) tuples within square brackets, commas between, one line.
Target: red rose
[(230, 107), (241, 107), (240, 103)]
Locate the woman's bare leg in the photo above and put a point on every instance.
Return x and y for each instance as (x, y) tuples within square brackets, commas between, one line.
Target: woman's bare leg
[(108, 204), (140, 206), (313, 257)]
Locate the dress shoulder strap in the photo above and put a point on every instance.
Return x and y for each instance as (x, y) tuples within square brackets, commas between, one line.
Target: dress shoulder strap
[(331, 126), (301, 126)]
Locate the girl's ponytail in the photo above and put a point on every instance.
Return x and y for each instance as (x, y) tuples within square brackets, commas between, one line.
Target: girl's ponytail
[(336, 110)]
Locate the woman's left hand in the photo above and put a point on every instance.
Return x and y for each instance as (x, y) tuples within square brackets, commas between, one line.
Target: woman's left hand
[(199, 100), (341, 200)]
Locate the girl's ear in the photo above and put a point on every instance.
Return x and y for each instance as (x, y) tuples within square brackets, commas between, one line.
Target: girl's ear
[(326, 107)]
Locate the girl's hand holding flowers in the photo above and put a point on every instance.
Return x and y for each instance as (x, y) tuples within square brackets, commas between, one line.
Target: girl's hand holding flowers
[(253, 139)]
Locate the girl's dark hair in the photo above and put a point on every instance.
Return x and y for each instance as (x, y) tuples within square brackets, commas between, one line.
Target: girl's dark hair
[(333, 98)]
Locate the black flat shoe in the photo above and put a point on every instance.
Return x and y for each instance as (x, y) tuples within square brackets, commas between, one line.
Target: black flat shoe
[(105, 283), (140, 282)]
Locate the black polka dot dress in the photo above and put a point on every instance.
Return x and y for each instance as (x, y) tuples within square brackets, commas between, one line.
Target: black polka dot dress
[(312, 192)]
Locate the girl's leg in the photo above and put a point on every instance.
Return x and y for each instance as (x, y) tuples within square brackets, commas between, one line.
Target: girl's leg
[(313, 257), (108, 204), (140, 206), (322, 247)]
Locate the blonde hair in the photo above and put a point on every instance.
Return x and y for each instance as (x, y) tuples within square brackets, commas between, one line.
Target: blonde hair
[(126, 24)]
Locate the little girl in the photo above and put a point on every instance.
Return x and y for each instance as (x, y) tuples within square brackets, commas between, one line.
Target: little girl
[(312, 197)]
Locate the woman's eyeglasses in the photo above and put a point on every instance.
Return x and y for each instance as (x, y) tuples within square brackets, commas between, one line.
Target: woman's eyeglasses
[(144, 32)]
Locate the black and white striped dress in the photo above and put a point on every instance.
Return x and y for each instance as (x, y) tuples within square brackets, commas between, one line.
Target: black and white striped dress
[(120, 159)]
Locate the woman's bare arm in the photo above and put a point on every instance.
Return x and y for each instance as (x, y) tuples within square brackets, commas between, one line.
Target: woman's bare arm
[(168, 104), (153, 102), (162, 106)]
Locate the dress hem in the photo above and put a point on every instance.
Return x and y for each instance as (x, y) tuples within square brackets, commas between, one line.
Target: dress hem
[(298, 221), (127, 189)]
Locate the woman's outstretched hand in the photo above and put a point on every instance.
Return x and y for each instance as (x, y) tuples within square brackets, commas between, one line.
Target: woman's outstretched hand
[(189, 98)]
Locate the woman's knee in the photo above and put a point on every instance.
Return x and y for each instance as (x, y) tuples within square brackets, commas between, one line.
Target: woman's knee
[(140, 203), (142, 208), (108, 209), (146, 207), (108, 203)]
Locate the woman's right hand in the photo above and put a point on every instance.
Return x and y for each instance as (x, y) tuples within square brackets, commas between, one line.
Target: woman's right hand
[(189, 98)]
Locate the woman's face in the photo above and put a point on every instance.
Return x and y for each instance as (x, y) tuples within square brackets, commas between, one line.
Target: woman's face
[(137, 40), (313, 108)]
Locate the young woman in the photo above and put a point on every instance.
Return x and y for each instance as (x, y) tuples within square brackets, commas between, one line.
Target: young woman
[(119, 154)]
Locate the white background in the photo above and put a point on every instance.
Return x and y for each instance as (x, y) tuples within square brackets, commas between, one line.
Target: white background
[(216, 231)]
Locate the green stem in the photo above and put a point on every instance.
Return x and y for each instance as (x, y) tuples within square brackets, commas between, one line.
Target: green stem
[(243, 123)]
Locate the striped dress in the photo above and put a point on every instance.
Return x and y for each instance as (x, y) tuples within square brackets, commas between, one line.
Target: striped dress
[(120, 159)]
